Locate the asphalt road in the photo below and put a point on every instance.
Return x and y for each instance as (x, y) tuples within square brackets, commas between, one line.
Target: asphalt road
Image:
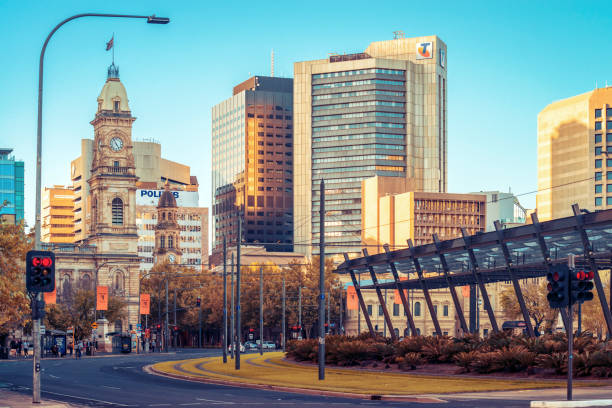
[(120, 382)]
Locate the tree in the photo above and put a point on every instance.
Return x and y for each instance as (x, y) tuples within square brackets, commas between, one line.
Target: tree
[(14, 300), (592, 316), (534, 293)]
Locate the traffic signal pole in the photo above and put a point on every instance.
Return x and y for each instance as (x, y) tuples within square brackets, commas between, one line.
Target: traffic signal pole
[(322, 281), (261, 310), (37, 352), (224, 302)]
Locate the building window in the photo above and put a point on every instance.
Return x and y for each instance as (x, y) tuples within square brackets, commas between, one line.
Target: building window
[(115, 164), (609, 162), (598, 163), (598, 201), (608, 137), (598, 125), (608, 112), (597, 175), (445, 310), (417, 308), (170, 241), (598, 188), (162, 242), (597, 137), (396, 330), (370, 310), (608, 200), (609, 175), (597, 150), (380, 310), (418, 331), (485, 332), (608, 188), (116, 106), (436, 310), (395, 309), (598, 113), (117, 211)]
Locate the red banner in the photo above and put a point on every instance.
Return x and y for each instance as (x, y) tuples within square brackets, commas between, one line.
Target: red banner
[(396, 295), (351, 298), (465, 291), (145, 303), (102, 298), (50, 297)]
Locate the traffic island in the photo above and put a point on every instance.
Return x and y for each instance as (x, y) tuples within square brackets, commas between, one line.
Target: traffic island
[(272, 371)]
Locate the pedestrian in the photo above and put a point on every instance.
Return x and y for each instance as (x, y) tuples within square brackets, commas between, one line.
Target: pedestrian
[(70, 347), (19, 348), (25, 349), (79, 349)]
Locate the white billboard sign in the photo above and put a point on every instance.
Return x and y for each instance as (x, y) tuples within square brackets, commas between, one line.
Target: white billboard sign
[(183, 198)]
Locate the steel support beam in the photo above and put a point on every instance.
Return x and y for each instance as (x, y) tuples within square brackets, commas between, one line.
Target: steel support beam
[(381, 298), (478, 278), (588, 254), (451, 286), (517, 287), (360, 297), (401, 292), (547, 261), (432, 311)]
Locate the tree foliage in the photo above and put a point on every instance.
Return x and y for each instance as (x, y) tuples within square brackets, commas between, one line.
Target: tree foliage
[(14, 301), (534, 293)]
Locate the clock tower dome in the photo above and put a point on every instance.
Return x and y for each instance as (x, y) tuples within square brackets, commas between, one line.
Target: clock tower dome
[(167, 230)]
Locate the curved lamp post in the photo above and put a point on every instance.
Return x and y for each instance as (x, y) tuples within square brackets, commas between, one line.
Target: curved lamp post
[(36, 326)]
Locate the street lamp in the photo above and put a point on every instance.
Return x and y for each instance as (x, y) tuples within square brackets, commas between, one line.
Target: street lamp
[(36, 323)]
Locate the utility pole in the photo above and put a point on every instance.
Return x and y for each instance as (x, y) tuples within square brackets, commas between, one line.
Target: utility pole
[(359, 312), (300, 311), (166, 328), (200, 327), (261, 310), (385, 320), (284, 322), (174, 339), (224, 302), (322, 282), (340, 327), (238, 331), (233, 317)]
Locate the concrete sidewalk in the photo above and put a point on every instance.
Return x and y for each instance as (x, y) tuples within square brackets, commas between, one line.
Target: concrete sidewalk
[(16, 400)]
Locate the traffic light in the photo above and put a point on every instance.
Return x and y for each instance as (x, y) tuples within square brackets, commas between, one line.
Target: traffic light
[(326, 328), (198, 301), (582, 286), (40, 271), (558, 286), (158, 327)]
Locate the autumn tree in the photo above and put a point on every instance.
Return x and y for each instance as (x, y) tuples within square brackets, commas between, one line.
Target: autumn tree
[(14, 300), (534, 293), (592, 315)]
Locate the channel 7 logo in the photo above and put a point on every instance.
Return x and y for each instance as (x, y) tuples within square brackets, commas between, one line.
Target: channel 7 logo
[(424, 50)]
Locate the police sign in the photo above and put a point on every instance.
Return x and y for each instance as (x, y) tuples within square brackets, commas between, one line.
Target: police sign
[(183, 198)]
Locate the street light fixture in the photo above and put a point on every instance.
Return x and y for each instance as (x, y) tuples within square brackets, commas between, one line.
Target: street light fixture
[(37, 245)]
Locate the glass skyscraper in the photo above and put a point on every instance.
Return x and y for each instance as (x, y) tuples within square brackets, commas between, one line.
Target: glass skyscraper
[(11, 187), (252, 164), (381, 112)]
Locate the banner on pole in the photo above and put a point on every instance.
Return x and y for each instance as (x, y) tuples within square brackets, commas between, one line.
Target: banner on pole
[(396, 295), (145, 303), (102, 298), (351, 298), (50, 297), (465, 291)]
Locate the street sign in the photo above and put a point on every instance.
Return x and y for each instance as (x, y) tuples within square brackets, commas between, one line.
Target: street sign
[(250, 336), (94, 325), (69, 330), (42, 329)]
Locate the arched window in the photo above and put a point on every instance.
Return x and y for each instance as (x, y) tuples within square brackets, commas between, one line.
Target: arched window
[(118, 281), (170, 241), (117, 211), (162, 242), (66, 288), (396, 330), (163, 216), (417, 308), (85, 282)]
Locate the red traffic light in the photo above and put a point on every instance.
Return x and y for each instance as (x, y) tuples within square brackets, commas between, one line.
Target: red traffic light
[(590, 275), (36, 261), (580, 275), (555, 276), (549, 287), (47, 262), (251, 330)]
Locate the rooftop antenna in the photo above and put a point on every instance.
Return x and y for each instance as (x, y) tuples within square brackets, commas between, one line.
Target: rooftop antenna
[(398, 35), (272, 63)]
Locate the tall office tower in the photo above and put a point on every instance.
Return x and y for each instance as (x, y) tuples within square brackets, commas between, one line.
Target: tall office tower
[(381, 112), (574, 136), (57, 215), (252, 164), (11, 187)]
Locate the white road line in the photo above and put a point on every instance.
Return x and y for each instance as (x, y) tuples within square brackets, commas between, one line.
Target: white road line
[(114, 388), (86, 398), (53, 376), (159, 405), (215, 401), (191, 403)]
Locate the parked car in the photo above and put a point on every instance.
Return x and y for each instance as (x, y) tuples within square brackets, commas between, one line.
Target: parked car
[(269, 345), (242, 348), (251, 345)]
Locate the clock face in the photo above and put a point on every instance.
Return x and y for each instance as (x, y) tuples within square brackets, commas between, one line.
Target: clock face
[(116, 144), (171, 258)]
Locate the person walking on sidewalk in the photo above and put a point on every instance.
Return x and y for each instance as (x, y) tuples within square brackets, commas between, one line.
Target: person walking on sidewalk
[(79, 349)]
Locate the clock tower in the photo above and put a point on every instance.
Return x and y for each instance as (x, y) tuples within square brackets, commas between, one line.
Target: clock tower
[(167, 230)]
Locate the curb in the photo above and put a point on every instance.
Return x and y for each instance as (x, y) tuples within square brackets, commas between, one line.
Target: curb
[(572, 404), (295, 390)]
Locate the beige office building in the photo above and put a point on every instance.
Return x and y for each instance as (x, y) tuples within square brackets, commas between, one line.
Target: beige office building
[(381, 112), (574, 135), (57, 215)]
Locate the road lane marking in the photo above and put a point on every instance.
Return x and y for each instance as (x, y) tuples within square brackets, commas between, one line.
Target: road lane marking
[(86, 398), (215, 401), (191, 403), (114, 388), (54, 376), (159, 405)]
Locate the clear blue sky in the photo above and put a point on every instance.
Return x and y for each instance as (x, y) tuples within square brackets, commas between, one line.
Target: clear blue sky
[(505, 63)]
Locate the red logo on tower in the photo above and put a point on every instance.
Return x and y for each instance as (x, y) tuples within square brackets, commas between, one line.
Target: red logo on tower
[(424, 50)]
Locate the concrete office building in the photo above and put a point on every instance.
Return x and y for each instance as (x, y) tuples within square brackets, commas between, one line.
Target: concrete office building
[(252, 165), (574, 135), (11, 187), (381, 112), (57, 215), (505, 208)]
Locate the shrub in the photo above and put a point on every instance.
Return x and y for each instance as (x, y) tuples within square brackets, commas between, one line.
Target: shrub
[(353, 352), (303, 350), (465, 360), (601, 363), (554, 361), (583, 342), (514, 358), (484, 362), (410, 361), (581, 365), (501, 339), (413, 344)]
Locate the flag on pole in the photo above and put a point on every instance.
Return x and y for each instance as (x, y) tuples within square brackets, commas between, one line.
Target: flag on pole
[(351, 298), (102, 298), (145, 303), (109, 44)]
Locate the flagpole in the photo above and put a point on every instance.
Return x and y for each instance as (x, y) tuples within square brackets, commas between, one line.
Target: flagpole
[(113, 47)]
